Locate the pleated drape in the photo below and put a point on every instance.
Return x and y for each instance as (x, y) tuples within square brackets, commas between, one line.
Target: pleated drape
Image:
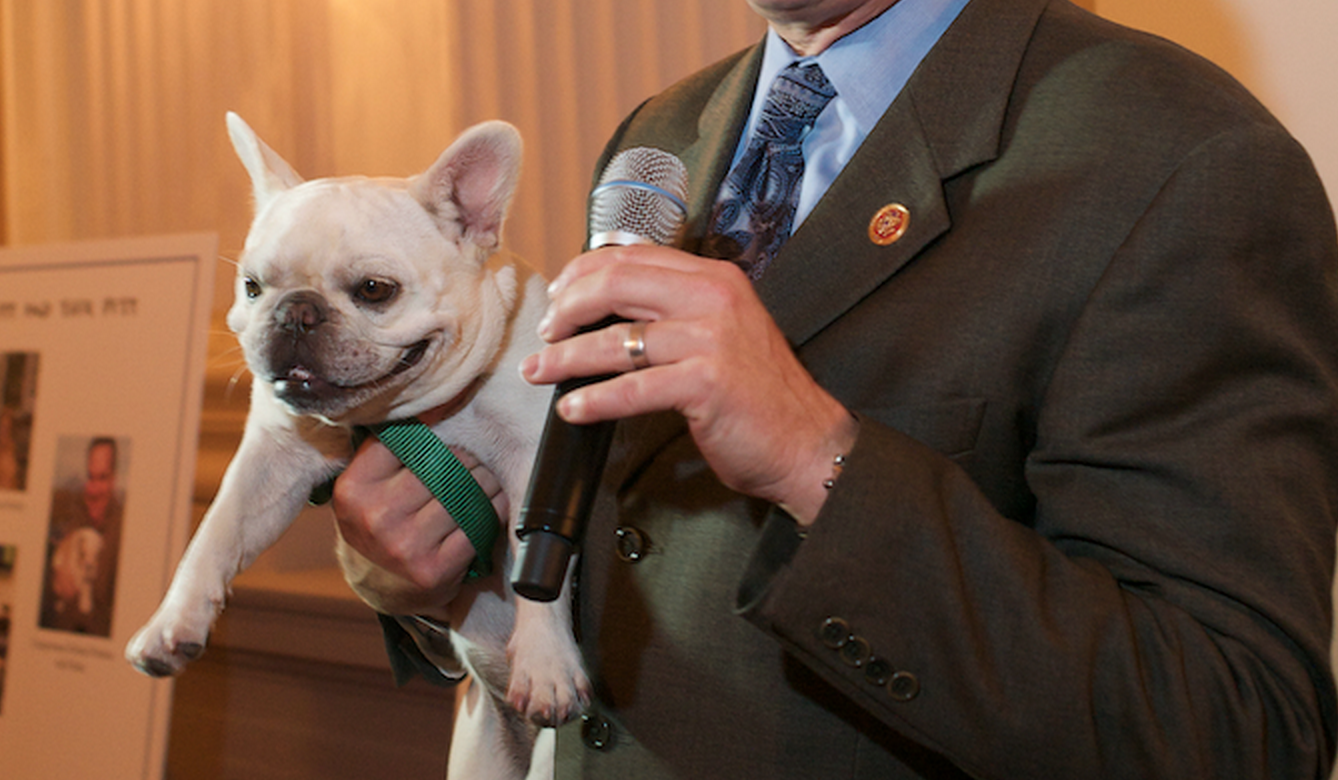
[(112, 110), (111, 114)]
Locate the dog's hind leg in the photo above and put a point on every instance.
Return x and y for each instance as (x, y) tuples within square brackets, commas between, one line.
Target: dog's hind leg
[(491, 740), (543, 758)]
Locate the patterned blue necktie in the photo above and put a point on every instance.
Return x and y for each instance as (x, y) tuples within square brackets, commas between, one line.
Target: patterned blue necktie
[(755, 212)]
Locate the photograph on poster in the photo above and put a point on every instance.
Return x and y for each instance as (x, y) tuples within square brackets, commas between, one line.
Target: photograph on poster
[(18, 392), (84, 535), (8, 553)]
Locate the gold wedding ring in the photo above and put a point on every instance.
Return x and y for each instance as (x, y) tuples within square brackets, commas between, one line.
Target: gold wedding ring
[(635, 344)]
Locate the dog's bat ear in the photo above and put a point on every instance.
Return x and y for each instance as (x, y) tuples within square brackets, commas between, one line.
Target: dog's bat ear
[(469, 187), (270, 174)]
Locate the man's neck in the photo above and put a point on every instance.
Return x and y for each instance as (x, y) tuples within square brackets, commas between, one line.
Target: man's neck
[(809, 35), (97, 511)]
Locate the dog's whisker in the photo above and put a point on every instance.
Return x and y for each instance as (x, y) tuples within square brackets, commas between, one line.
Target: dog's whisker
[(235, 379), (231, 360)]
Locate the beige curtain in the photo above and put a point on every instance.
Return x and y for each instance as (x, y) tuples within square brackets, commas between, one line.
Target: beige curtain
[(111, 113), (112, 120)]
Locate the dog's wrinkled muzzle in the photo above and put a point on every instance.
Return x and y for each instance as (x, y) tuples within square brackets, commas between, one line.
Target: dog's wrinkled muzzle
[(295, 350)]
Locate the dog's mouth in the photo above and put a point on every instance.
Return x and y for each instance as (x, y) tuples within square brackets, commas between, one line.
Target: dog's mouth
[(302, 387), (409, 359)]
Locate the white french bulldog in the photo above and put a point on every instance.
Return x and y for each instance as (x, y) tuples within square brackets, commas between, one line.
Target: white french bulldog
[(363, 300)]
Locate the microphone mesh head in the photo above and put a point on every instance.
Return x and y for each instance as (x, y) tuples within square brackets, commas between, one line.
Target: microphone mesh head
[(642, 194)]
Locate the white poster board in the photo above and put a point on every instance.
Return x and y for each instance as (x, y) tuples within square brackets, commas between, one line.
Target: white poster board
[(102, 356)]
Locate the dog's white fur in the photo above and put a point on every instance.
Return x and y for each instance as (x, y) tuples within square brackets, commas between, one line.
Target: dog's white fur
[(76, 560), (360, 300)]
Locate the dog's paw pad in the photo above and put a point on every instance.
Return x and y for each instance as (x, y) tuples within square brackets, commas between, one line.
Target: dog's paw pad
[(162, 650), (154, 667), (546, 718), (551, 700)]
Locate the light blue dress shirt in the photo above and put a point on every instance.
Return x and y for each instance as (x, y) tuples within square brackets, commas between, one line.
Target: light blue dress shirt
[(868, 67)]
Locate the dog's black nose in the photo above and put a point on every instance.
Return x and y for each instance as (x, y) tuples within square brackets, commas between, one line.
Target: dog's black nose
[(300, 313)]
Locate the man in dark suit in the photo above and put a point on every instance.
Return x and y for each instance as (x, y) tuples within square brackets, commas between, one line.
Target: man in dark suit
[(1068, 315)]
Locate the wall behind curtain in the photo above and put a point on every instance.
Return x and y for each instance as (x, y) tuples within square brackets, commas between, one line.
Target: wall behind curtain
[(112, 117)]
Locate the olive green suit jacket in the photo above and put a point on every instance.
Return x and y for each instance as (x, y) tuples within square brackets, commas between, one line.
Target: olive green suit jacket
[(1087, 529)]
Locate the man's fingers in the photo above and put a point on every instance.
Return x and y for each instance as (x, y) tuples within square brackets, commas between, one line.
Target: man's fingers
[(658, 284), (373, 462)]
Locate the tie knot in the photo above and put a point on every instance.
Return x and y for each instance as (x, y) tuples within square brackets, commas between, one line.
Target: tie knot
[(797, 96)]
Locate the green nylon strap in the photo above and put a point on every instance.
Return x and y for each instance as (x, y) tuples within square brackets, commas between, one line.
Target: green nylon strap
[(419, 449)]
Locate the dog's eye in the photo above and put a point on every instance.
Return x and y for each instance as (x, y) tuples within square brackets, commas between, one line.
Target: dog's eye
[(376, 290), (252, 288)]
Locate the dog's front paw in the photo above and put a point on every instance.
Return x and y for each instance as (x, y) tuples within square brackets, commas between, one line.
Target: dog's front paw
[(548, 683), (163, 647)]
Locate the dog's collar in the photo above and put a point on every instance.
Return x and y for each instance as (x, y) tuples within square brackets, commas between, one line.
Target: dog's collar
[(438, 413)]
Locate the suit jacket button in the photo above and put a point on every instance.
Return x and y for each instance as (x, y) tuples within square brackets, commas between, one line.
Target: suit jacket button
[(834, 633), (596, 732), (632, 544), (856, 652), (903, 686), (877, 672)]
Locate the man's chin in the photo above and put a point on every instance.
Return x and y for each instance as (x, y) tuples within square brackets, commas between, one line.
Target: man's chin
[(97, 507)]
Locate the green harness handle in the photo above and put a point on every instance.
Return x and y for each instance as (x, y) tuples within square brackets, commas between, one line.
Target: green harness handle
[(429, 459)]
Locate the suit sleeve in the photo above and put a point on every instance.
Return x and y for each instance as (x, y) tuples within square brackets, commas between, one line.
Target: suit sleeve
[(417, 647), (1165, 611)]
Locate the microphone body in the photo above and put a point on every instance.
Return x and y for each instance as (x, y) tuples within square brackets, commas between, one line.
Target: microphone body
[(640, 200), (562, 492)]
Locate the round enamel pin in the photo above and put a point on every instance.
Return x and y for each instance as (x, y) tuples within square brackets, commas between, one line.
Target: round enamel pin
[(889, 224)]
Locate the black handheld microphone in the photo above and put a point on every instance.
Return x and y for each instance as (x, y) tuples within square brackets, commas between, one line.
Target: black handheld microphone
[(641, 199)]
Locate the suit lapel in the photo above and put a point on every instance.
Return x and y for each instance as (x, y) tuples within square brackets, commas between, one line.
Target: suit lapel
[(718, 130), (830, 263), (948, 118)]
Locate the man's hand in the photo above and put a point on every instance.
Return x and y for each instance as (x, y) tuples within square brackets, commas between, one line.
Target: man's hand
[(385, 513), (716, 356)]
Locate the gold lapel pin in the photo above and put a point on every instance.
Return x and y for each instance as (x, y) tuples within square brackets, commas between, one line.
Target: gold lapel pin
[(889, 224)]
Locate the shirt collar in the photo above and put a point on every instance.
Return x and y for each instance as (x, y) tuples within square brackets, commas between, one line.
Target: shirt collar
[(869, 67)]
